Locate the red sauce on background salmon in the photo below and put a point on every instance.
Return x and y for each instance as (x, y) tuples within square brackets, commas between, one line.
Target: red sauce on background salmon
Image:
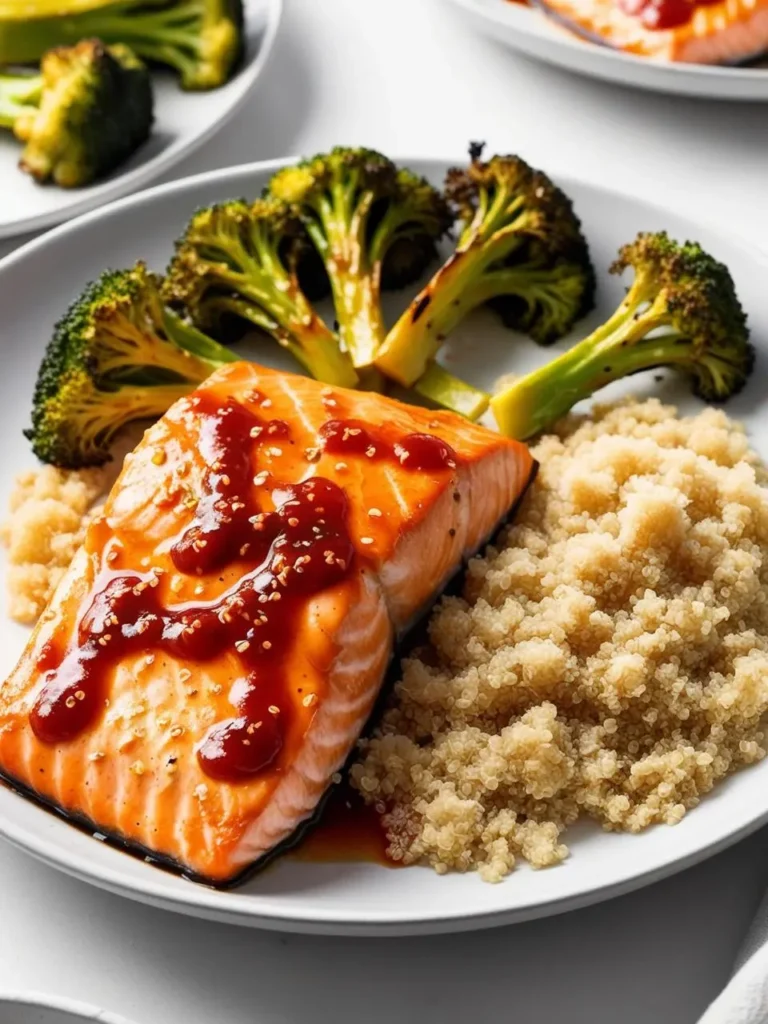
[(663, 14)]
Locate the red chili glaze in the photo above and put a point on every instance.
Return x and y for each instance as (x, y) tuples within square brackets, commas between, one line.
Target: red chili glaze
[(425, 452), (289, 554), (663, 14), (422, 452), (311, 549), (221, 526), (349, 437)]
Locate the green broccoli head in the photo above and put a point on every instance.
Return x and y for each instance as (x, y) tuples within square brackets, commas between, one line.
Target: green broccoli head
[(681, 311), (691, 298), (374, 225), (244, 260), (526, 224), (89, 109), (202, 40), (520, 250), (115, 356)]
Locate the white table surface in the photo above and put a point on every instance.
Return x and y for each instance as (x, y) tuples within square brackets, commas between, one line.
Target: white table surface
[(408, 77)]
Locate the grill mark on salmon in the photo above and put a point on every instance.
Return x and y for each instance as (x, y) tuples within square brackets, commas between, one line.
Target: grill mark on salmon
[(134, 772)]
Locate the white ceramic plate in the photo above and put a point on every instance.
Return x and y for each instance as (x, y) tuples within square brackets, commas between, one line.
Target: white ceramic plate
[(531, 32), (36, 1008), (183, 121), (357, 898)]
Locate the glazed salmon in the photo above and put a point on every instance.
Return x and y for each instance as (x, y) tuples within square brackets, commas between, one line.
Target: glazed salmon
[(727, 32), (210, 658)]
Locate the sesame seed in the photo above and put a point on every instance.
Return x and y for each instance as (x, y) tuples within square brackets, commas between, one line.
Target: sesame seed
[(97, 755), (215, 688), (70, 702), (336, 778), (312, 454), (370, 451), (138, 768), (273, 709), (341, 466), (163, 720), (177, 730), (366, 540), (184, 675), (201, 791), (176, 585), (261, 478), (267, 645), (309, 700), (267, 403), (255, 431), (375, 512), (274, 451), (158, 456), (80, 694), (293, 521), (242, 646)]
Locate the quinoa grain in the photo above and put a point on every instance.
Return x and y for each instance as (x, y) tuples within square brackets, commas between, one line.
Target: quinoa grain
[(609, 658)]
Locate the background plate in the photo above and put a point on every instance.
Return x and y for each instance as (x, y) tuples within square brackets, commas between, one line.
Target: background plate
[(360, 898), (36, 1008), (183, 121), (532, 33)]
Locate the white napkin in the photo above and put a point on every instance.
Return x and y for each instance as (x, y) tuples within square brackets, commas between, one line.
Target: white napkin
[(744, 1000)]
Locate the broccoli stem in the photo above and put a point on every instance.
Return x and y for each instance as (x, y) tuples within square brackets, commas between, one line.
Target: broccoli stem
[(618, 348), (19, 95), (126, 404), (168, 35), (312, 344), (462, 284), (441, 387), (339, 236), (195, 342)]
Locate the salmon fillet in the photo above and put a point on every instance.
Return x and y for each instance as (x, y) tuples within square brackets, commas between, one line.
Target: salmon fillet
[(210, 658), (728, 32)]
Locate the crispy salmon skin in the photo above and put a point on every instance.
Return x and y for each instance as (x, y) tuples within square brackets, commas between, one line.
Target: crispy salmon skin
[(210, 658), (728, 32)]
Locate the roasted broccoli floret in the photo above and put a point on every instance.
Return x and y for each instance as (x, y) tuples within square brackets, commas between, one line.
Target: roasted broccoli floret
[(374, 225), (87, 110), (244, 259), (520, 250), (200, 39), (117, 355), (681, 311)]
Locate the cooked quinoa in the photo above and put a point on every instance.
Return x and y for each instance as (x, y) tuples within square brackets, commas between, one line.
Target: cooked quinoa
[(48, 512), (609, 657)]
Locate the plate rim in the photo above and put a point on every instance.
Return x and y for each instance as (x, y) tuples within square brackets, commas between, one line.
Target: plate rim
[(138, 178), (510, 16), (226, 905), (37, 999)]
